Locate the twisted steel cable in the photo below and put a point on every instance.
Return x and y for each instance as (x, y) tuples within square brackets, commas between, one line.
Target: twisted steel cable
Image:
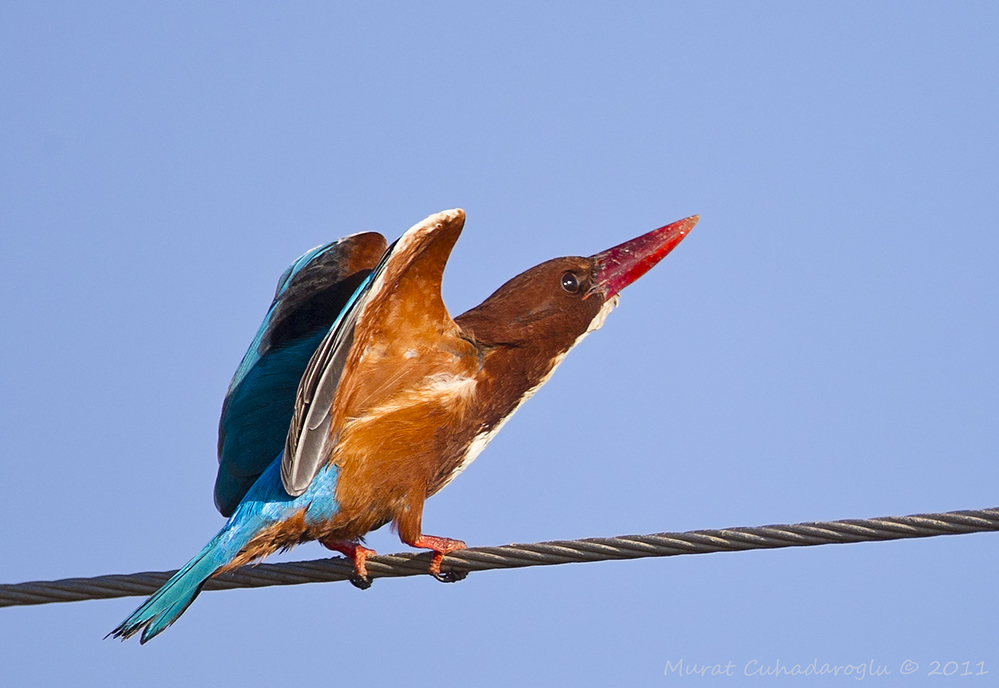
[(517, 556)]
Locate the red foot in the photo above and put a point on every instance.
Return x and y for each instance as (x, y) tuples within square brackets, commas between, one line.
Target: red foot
[(440, 546), (353, 551)]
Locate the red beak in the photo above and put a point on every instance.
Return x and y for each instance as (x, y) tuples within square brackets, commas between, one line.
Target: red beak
[(620, 266)]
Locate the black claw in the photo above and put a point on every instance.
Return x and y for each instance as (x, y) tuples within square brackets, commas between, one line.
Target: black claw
[(450, 576), (360, 583)]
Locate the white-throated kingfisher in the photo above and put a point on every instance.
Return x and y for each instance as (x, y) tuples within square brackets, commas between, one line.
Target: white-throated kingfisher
[(360, 396)]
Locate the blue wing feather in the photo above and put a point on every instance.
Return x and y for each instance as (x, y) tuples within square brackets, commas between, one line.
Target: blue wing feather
[(256, 417), (254, 353), (260, 401)]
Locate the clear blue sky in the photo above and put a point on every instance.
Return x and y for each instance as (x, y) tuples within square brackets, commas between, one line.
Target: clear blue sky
[(823, 344)]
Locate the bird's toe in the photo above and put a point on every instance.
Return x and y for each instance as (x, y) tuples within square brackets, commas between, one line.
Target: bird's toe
[(360, 582), (450, 576)]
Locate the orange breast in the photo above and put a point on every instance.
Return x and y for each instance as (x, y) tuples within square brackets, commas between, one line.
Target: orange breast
[(399, 427)]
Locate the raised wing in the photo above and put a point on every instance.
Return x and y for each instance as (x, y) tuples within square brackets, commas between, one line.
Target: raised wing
[(393, 319), (260, 401)]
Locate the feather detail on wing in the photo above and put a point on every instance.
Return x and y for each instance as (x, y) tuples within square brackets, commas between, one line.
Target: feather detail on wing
[(395, 316), (261, 398)]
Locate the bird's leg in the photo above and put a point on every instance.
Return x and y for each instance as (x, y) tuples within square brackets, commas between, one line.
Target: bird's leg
[(440, 547), (358, 554), (410, 526)]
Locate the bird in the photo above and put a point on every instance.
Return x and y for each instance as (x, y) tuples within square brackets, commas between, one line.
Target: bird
[(360, 396)]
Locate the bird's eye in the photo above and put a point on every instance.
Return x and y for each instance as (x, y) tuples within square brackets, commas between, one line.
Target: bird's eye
[(570, 283)]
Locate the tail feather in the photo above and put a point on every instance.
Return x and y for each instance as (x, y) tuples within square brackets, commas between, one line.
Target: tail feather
[(169, 602), (264, 505)]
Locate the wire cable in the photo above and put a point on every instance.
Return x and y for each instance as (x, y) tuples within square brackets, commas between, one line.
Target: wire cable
[(517, 556)]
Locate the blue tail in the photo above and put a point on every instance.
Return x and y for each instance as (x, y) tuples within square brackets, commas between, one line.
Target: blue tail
[(264, 505), (170, 601)]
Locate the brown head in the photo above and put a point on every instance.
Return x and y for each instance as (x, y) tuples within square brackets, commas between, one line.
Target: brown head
[(554, 304)]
